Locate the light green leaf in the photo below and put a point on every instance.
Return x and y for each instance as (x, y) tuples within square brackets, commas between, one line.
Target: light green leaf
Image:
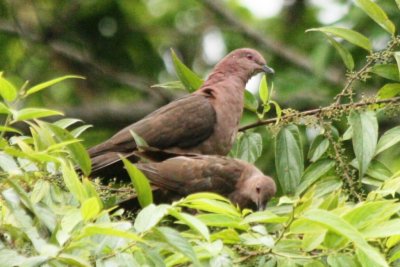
[(110, 229), (313, 173), (342, 260), (140, 182), (79, 130), (397, 57), (4, 109), (34, 113), (264, 217), (78, 152), (382, 230), (365, 137), (190, 80), (375, 12), (388, 71), (192, 222), (388, 139), (389, 90), (149, 217), (9, 129), (140, 142), (351, 36), (7, 89), (343, 52), (339, 226), (210, 205), (278, 110), (263, 90), (72, 182), (170, 85), (66, 122), (222, 220), (44, 85), (174, 239), (289, 158), (90, 208), (250, 102), (73, 260)]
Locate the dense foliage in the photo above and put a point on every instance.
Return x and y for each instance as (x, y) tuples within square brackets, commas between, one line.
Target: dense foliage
[(337, 176)]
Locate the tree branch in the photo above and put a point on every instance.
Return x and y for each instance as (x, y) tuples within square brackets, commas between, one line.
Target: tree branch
[(322, 111)]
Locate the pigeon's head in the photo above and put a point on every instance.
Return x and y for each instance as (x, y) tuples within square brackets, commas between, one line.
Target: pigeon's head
[(246, 62), (259, 189)]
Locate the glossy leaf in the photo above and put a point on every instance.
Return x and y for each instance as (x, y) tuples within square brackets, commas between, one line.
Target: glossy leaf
[(365, 137), (190, 80), (375, 12), (339, 226), (389, 90), (149, 217), (140, 182), (388, 71), (289, 158), (34, 113), (90, 208), (7, 89), (388, 139), (263, 90), (351, 36), (193, 222), (47, 84)]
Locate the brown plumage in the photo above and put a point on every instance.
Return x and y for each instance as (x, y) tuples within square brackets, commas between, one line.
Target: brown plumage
[(238, 180), (204, 122)]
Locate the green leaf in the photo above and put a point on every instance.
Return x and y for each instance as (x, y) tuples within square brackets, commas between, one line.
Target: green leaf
[(263, 90), (375, 12), (110, 229), (78, 152), (342, 260), (365, 137), (72, 182), (343, 52), (66, 122), (264, 217), (7, 89), (313, 173), (397, 57), (4, 109), (178, 243), (222, 220), (382, 230), (44, 85), (34, 113), (190, 80), (389, 90), (170, 85), (388, 71), (339, 226), (9, 129), (278, 110), (73, 260), (140, 182), (248, 147), (351, 36), (388, 139), (149, 217), (192, 222), (90, 208), (140, 142), (289, 158), (205, 203), (318, 147), (250, 102)]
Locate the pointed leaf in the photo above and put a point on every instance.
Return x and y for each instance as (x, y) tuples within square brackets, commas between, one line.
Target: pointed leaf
[(343, 52), (263, 90), (375, 12), (389, 90), (149, 217), (365, 137), (313, 173), (140, 182), (34, 113), (190, 80), (351, 36), (73, 182), (192, 222), (388, 71), (90, 208), (249, 147), (4, 109), (7, 89), (318, 147), (388, 139), (289, 158), (250, 102), (44, 85)]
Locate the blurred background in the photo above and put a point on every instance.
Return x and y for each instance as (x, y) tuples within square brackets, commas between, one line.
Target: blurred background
[(122, 47)]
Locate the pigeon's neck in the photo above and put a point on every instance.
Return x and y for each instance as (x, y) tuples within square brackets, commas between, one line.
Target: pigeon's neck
[(233, 77)]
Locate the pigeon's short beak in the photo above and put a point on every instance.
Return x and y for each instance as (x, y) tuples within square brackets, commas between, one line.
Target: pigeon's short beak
[(267, 69), (260, 205)]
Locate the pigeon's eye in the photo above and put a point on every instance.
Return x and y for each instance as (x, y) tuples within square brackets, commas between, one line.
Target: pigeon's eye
[(249, 56), (258, 189)]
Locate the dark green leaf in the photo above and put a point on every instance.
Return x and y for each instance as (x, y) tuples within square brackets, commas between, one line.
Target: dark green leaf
[(318, 147), (248, 147), (44, 85), (388, 71), (343, 52), (365, 137), (314, 172), (190, 80), (375, 12), (289, 158), (140, 182), (351, 36), (7, 89), (389, 90)]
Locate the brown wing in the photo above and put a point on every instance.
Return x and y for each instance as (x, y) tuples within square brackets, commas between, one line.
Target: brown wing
[(186, 175)]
